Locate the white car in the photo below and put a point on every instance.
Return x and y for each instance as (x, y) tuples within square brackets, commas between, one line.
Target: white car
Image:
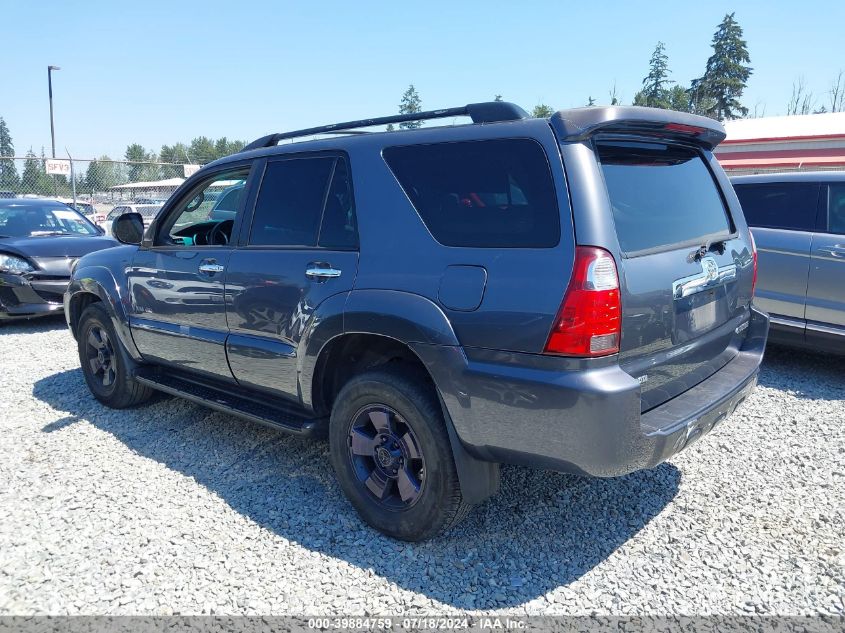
[(147, 211)]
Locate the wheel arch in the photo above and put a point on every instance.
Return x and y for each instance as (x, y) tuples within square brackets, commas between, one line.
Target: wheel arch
[(377, 327), (92, 284)]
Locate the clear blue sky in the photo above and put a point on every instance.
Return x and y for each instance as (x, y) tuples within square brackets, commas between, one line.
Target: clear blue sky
[(160, 72)]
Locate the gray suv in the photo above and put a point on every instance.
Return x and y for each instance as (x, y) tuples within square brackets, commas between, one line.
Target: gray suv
[(798, 220), (571, 293)]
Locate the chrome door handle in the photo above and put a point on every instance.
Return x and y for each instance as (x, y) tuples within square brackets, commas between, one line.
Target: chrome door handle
[(211, 269), (321, 272)]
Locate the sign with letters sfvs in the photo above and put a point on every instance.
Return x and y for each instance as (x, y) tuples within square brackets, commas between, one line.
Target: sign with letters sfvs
[(58, 166), (190, 170)]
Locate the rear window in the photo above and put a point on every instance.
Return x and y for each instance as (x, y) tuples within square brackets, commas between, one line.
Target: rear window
[(489, 194), (661, 196), (779, 205)]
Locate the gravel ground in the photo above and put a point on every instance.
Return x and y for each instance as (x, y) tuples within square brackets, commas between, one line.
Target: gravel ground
[(175, 509)]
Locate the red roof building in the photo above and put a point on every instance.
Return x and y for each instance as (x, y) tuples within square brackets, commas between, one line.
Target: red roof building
[(784, 143)]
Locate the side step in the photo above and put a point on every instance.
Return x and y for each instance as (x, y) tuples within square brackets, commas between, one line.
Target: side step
[(275, 416)]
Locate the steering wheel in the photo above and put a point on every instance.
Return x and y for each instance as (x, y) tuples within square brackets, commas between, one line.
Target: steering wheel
[(217, 236)]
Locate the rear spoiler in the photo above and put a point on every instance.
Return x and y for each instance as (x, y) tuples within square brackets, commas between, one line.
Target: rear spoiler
[(579, 124)]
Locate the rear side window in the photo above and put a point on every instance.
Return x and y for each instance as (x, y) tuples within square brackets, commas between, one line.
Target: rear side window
[(489, 194), (836, 209), (661, 196), (779, 205), (290, 202)]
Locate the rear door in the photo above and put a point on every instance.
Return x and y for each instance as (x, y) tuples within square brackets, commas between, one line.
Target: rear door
[(685, 268), (300, 248), (826, 288), (782, 216)]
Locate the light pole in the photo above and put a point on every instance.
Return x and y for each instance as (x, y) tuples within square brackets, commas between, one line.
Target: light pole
[(50, 70)]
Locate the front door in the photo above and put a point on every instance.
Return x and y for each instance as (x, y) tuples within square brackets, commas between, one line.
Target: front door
[(301, 248), (176, 284), (826, 287)]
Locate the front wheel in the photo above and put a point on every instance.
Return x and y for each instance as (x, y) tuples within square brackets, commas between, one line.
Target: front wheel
[(391, 454), (105, 363)]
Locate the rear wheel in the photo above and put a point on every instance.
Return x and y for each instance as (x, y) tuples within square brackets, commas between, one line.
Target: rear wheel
[(105, 363), (391, 453)]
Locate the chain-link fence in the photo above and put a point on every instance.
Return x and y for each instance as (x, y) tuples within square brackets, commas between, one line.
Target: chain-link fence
[(100, 183)]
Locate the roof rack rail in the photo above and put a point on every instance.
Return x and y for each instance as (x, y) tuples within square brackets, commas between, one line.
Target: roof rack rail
[(487, 112)]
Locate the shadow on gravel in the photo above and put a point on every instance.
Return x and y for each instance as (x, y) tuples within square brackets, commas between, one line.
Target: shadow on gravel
[(809, 375), (542, 531), (34, 326)]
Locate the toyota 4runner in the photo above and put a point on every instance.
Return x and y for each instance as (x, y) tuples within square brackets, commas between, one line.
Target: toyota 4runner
[(571, 293)]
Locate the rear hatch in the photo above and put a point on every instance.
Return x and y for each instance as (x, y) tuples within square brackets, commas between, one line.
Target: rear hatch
[(685, 270)]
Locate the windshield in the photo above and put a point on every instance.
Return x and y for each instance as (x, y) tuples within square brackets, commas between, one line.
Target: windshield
[(48, 219)]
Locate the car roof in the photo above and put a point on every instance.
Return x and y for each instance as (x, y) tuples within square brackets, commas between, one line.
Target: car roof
[(794, 176), (29, 202)]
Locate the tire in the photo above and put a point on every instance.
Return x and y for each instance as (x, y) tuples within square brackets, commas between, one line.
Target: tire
[(391, 453), (105, 364)]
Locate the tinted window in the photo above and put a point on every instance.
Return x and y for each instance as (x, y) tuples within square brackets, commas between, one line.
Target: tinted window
[(338, 228), (290, 202), (496, 193), (779, 205), (661, 196), (836, 209)]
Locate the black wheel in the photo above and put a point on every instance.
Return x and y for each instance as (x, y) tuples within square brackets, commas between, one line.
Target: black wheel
[(105, 363), (391, 453)]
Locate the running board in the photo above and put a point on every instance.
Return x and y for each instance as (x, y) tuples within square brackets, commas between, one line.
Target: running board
[(277, 417)]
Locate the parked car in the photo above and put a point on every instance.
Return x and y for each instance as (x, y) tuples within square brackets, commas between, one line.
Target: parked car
[(85, 208), (227, 203), (798, 221), (39, 242), (146, 211), (442, 300)]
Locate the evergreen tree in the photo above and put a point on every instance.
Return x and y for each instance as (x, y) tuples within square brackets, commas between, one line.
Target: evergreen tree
[(542, 111), (655, 91), (716, 94), (590, 101), (8, 172), (136, 154), (102, 174), (202, 150), (679, 98), (33, 176), (497, 98), (410, 104)]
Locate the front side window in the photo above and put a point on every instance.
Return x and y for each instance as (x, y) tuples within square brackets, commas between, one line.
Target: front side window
[(486, 194), (779, 205), (836, 209), (661, 196), (194, 221), (305, 202), (29, 220)]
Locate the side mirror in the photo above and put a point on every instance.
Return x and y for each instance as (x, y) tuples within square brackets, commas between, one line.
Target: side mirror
[(128, 228)]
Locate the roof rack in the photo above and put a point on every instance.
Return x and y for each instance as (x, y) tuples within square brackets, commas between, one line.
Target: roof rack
[(487, 112)]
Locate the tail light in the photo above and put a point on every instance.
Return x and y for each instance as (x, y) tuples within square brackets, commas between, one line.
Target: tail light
[(589, 320), (754, 257)]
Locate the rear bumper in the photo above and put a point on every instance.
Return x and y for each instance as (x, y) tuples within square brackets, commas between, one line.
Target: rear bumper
[(588, 420), (24, 298)]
